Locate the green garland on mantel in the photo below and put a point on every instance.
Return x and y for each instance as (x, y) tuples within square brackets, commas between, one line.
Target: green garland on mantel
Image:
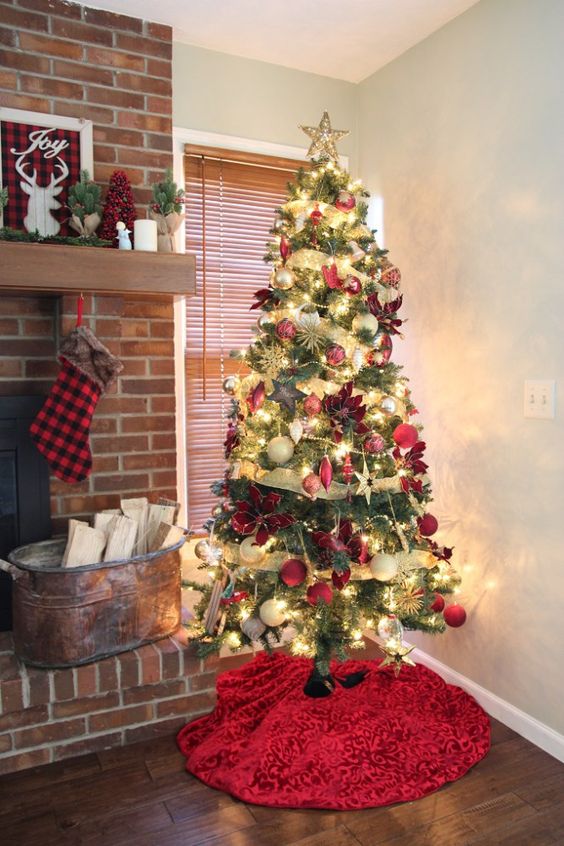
[(7, 234)]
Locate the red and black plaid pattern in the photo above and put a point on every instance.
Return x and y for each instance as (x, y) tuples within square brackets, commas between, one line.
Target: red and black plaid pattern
[(15, 136), (61, 429)]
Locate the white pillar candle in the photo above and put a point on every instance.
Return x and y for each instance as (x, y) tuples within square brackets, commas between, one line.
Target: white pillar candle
[(145, 235)]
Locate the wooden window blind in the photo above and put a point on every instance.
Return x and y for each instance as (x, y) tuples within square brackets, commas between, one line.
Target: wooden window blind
[(230, 202)]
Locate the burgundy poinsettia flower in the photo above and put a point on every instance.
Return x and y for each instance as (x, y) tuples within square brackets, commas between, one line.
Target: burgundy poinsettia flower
[(441, 553), (262, 296), (232, 439), (257, 514), (345, 541), (412, 465), (384, 312), (356, 546), (345, 412)]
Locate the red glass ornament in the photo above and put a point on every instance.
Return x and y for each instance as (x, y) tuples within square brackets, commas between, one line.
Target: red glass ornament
[(438, 603), (374, 443), (256, 397), (405, 435), (428, 525), (352, 285), (326, 472), (311, 484), (455, 616), (293, 572), (284, 248), (340, 579), (335, 355), (391, 277), (318, 593), (286, 329), (312, 405), (348, 469), (345, 201)]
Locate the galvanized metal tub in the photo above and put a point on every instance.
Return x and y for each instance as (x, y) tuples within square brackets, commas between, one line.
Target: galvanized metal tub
[(66, 616)]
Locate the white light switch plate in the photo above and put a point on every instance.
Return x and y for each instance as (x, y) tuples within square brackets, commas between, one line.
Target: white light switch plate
[(540, 399)]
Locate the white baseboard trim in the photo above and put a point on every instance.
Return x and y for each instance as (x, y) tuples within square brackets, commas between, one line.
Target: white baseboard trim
[(528, 727)]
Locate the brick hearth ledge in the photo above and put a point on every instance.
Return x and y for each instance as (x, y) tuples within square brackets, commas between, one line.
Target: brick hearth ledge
[(47, 715)]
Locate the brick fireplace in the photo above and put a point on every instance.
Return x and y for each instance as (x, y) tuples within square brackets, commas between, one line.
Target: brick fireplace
[(66, 59)]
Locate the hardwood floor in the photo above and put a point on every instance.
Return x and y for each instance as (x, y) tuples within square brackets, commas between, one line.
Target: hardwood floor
[(141, 796)]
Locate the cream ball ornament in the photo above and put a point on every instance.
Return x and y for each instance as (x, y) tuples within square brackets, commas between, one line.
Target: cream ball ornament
[(202, 549), (283, 278), (365, 322), (250, 553), (383, 566), (272, 613), (280, 449)]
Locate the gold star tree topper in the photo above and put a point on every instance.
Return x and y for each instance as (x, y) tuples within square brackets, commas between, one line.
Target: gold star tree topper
[(323, 139)]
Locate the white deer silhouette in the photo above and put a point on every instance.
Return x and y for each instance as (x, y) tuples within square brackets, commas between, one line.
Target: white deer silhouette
[(41, 200)]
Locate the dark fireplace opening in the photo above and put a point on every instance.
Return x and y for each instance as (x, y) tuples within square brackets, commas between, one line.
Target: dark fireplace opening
[(24, 489)]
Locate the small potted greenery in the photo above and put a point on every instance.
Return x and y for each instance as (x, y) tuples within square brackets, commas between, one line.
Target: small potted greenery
[(84, 206), (166, 210)]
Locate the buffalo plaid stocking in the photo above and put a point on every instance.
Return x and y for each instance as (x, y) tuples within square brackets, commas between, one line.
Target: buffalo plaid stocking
[(61, 430)]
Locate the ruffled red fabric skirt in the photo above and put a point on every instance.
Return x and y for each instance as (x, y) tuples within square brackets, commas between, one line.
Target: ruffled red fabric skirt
[(387, 740)]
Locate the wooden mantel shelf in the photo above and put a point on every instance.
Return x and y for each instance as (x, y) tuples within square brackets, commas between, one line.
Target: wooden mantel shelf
[(58, 268)]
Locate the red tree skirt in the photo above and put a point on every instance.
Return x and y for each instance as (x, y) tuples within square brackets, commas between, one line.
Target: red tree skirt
[(387, 740)]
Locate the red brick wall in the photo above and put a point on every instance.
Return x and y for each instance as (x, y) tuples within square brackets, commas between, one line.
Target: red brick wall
[(115, 70)]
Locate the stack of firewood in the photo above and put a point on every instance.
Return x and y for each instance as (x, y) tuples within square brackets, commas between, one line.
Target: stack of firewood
[(138, 527)]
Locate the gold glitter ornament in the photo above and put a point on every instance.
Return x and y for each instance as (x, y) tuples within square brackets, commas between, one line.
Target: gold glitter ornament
[(273, 360), (311, 333), (323, 139), (283, 278), (410, 599)]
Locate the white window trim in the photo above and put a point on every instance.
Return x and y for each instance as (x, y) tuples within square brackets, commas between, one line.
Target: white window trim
[(180, 137)]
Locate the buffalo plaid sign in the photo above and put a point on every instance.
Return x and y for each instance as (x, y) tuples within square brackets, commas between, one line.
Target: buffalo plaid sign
[(39, 164)]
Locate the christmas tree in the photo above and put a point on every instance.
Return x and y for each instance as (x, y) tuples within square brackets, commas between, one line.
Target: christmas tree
[(324, 526), (119, 205)]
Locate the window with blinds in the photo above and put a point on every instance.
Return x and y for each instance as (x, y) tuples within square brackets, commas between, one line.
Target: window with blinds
[(230, 203)]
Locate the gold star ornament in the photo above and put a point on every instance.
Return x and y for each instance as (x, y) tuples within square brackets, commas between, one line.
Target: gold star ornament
[(397, 655), (323, 139), (366, 483)]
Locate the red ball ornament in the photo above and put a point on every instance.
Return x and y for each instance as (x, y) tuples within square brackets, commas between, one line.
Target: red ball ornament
[(374, 443), (428, 525), (438, 604), (311, 484), (352, 285), (318, 593), (455, 616), (285, 329), (335, 355), (345, 201), (312, 405), (406, 435), (293, 572)]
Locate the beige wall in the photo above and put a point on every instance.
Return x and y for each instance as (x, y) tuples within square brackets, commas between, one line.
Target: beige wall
[(463, 138), (215, 92)]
